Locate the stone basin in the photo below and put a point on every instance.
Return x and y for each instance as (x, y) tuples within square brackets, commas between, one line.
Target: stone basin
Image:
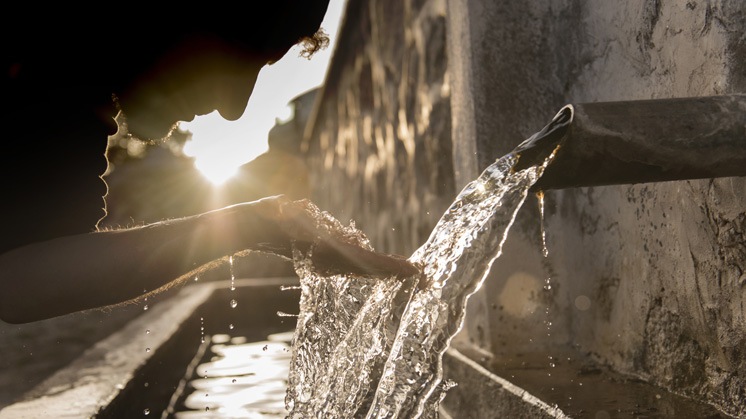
[(144, 369)]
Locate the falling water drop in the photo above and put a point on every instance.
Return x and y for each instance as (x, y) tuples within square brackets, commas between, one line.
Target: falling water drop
[(145, 308), (147, 331), (233, 276), (230, 326), (544, 249), (146, 412), (234, 303), (147, 349), (545, 253)]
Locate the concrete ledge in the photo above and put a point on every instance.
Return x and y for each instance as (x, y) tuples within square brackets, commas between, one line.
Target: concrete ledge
[(95, 379)]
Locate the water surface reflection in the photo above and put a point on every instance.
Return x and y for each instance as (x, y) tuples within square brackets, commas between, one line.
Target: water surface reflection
[(236, 379)]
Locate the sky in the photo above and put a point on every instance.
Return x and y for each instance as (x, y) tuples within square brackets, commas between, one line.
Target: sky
[(220, 146)]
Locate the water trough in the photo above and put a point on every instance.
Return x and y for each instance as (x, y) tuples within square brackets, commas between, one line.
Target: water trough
[(136, 373)]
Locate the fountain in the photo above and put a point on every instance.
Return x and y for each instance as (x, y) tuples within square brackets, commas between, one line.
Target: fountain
[(406, 327)]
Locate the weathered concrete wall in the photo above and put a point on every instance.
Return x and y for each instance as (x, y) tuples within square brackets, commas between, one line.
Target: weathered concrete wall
[(378, 148), (649, 279)]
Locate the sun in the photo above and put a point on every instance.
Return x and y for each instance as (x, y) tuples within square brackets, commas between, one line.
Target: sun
[(219, 147)]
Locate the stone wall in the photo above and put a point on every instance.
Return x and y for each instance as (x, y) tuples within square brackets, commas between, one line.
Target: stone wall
[(649, 279), (378, 144)]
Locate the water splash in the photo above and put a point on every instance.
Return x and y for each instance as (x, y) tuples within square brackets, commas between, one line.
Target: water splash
[(373, 348)]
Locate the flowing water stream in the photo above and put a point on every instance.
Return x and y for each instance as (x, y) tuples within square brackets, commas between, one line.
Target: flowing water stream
[(370, 348), (373, 348), (365, 347)]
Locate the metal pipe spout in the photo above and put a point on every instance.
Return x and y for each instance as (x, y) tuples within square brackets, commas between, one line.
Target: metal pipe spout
[(628, 142)]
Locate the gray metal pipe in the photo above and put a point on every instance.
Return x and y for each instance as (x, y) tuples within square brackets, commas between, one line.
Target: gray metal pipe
[(627, 142)]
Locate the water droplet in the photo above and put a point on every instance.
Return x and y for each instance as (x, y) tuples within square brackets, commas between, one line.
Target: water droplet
[(146, 384), (196, 278), (147, 331), (233, 380), (233, 276), (265, 348), (146, 412), (147, 349), (234, 303), (230, 326), (146, 307), (207, 408)]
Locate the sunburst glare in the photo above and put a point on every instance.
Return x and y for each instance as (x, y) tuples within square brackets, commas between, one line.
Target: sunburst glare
[(219, 146)]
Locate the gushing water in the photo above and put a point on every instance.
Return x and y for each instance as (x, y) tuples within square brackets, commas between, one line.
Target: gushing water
[(365, 347)]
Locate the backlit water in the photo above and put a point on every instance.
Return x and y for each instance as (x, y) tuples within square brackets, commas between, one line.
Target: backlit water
[(373, 348), (370, 348), (365, 347)]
